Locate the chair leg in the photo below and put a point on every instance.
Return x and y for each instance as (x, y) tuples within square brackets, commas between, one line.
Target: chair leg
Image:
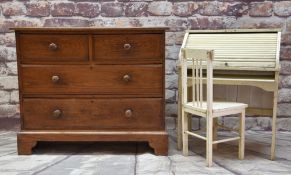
[(184, 134), (215, 120), (241, 150), (209, 140)]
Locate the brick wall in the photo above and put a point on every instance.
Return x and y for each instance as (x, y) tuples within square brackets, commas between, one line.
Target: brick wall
[(178, 15)]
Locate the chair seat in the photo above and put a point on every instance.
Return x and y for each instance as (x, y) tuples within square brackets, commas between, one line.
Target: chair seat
[(217, 106)]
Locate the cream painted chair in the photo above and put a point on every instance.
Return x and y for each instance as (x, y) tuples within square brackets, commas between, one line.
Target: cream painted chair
[(202, 72)]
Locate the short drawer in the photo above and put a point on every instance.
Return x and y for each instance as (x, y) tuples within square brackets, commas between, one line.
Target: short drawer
[(97, 114), (128, 48), (85, 79), (53, 48)]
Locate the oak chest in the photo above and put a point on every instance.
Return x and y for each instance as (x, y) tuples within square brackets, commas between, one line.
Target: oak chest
[(91, 84)]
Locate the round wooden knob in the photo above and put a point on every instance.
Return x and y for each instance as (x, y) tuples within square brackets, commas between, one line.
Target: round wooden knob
[(226, 64), (57, 113), (53, 46), (55, 78), (128, 113), (126, 78), (127, 46)]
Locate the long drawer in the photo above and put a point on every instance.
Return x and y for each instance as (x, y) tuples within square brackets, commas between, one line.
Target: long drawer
[(40, 48), (93, 114), (98, 79)]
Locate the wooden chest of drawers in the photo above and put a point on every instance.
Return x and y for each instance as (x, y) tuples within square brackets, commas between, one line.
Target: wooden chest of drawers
[(91, 84)]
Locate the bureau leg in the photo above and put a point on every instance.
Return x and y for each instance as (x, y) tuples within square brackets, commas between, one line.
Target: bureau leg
[(25, 145), (179, 116), (274, 119), (160, 145), (274, 128)]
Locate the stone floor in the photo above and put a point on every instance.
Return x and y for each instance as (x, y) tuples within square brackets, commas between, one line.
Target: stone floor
[(137, 158)]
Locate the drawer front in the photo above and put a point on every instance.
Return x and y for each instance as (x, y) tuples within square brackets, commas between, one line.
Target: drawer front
[(53, 48), (83, 79), (98, 114), (129, 48)]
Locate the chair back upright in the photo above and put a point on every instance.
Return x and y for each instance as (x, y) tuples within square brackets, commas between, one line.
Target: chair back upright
[(201, 63)]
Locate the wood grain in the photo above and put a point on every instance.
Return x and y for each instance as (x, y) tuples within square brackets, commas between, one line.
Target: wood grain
[(158, 140), (130, 48), (36, 48), (99, 79), (93, 114)]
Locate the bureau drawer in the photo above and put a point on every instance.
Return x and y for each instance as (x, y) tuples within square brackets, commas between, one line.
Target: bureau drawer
[(85, 79), (98, 114), (53, 48), (128, 48)]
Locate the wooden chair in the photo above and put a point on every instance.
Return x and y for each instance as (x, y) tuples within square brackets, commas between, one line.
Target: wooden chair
[(202, 70)]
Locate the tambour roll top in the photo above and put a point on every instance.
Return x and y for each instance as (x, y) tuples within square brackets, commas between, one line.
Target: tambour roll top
[(244, 49)]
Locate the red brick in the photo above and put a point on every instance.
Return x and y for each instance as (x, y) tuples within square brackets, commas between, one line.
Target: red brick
[(289, 24), (282, 8), (103, 22), (235, 9), (177, 24), (212, 8), (216, 8), (170, 38), (63, 9), (184, 9), (135, 23), (3, 72), (8, 110), (285, 53), (179, 37), (261, 9), (13, 9), (38, 9), (8, 40), (6, 24), (7, 54), (160, 8), (135, 9), (90, 10), (112, 9), (66, 22), (207, 23), (285, 67), (257, 23), (286, 38)]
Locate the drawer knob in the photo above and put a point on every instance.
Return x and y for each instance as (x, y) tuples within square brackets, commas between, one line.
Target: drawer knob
[(128, 113), (53, 46), (55, 78), (226, 64), (126, 78), (127, 46), (57, 113)]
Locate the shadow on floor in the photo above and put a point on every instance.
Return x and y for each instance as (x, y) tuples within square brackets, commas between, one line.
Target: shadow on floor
[(89, 148)]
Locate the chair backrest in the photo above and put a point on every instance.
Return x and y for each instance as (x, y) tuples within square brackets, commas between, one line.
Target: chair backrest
[(238, 49), (200, 60)]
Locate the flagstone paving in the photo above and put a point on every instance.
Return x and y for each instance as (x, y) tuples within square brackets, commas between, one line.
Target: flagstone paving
[(129, 158)]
